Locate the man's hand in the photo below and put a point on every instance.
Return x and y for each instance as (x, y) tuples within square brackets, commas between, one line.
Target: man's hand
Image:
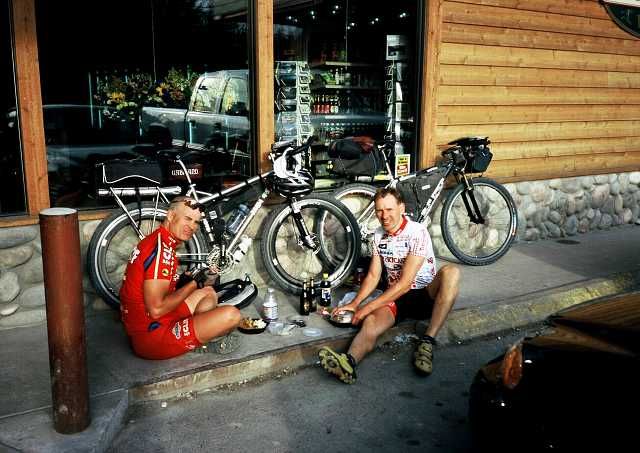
[(360, 314), (346, 307)]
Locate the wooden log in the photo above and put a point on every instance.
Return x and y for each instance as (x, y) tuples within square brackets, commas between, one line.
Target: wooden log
[(573, 147), (582, 8)]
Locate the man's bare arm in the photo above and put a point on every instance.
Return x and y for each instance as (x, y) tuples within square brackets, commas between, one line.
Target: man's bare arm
[(157, 299), (402, 286)]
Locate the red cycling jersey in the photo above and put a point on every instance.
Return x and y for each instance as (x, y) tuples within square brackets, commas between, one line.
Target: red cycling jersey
[(172, 334)]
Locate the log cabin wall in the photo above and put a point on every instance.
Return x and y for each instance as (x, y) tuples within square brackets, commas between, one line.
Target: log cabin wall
[(554, 84)]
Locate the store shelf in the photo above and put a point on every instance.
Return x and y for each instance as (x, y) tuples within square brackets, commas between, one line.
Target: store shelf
[(320, 64), (344, 87)]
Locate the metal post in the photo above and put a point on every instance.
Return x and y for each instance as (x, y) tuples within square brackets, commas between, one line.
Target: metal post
[(60, 239)]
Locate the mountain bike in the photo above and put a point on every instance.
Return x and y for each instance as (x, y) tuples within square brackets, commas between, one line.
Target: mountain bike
[(291, 237), (479, 217)]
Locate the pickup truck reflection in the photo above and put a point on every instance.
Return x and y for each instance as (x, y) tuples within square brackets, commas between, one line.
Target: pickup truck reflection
[(216, 121)]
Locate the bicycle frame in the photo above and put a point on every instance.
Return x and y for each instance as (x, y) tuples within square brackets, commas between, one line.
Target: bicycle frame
[(449, 166)]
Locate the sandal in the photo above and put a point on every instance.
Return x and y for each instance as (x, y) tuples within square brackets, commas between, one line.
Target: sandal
[(423, 357)]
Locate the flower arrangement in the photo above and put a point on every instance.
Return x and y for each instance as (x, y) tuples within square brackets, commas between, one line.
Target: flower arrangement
[(124, 95)]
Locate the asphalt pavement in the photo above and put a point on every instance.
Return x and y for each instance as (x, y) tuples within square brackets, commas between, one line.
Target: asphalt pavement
[(532, 281)]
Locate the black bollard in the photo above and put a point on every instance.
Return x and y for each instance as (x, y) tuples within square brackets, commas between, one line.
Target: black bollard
[(59, 234)]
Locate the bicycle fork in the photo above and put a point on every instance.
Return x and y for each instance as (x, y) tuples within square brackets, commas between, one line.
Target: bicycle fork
[(467, 194), (306, 238)]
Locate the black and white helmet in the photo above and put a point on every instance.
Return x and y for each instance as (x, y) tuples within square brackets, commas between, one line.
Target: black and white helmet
[(297, 184)]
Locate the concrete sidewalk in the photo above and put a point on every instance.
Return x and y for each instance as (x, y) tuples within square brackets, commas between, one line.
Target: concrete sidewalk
[(530, 282)]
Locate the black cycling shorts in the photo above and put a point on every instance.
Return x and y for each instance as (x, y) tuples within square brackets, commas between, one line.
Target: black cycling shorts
[(415, 304)]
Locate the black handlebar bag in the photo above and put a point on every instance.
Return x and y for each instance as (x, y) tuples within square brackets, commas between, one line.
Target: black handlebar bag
[(355, 156), (129, 173)]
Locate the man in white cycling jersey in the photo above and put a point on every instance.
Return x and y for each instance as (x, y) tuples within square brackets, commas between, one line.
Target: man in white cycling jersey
[(415, 290)]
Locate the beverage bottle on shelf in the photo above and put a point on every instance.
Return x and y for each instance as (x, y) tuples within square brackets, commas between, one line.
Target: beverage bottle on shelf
[(359, 277), (304, 300), (325, 291)]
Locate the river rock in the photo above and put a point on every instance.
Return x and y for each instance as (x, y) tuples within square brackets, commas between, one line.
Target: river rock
[(87, 229), (623, 180), (553, 229), (627, 215), (587, 182), (12, 237), (24, 318), (9, 286), (15, 256), (599, 196), (570, 185), (31, 272), (8, 309), (583, 226), (618, 203), (523, 188), (538, 191), (32, 296), (635, 213), (627, 200), (555, 217), (595, 222), (601, 179), (571, 226), (609, 207), (606, 222), (615, 188), (532, 234), (634, 177), (612, 178)]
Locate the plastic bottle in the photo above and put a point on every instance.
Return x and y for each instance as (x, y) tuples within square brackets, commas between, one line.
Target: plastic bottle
[(236, 218), (325, 291), (359, 277), (270, 306), (243, 247)]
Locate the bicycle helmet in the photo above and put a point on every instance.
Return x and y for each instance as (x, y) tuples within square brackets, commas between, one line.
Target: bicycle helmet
[(296, 184)]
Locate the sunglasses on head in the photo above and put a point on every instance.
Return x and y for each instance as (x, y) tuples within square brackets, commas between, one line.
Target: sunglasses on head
[(192, 204)]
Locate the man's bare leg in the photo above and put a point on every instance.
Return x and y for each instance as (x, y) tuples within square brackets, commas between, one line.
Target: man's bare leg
[(443, 290), (202, 300), (374, 325), (216, 323)]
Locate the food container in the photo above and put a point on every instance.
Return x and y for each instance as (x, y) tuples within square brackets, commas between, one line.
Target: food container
[(342, 318)]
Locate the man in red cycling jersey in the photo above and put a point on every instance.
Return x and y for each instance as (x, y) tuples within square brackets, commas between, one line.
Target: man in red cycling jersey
[(415, 290), (166, 315)]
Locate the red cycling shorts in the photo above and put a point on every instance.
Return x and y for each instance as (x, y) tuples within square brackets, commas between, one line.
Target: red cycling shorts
[(170, 336)]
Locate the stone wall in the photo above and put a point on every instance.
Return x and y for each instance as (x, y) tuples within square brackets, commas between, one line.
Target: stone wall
[(557, 208), (546, 209)]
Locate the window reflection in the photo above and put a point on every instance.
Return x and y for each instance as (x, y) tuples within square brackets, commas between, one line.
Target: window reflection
[(152, 79), (12, 193), (361, 60)]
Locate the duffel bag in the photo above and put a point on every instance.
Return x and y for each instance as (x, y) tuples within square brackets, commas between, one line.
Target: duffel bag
[(355, 156), (129, 173)]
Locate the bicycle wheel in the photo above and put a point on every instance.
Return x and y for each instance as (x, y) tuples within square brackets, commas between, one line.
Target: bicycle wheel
[(290, 263), (358, 198), (479, 244), (115, 239)]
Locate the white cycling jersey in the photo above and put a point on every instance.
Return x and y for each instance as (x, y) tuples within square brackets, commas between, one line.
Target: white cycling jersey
[(412, 238)]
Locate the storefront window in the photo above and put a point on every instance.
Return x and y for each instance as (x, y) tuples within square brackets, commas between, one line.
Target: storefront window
[(151, 75), (625, 13), (12, 194), (361, 60)]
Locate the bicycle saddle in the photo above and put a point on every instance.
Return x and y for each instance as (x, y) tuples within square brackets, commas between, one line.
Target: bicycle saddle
[(470, 141)]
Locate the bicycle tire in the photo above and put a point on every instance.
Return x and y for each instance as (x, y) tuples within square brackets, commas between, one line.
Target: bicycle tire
[(114, 240), (477, 244), (296, 264), (357, 197)]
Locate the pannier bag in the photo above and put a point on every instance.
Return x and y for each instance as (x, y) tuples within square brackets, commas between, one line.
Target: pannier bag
[(416, 191), (239, 293), (476, 151), (129, 173), (355, 156)]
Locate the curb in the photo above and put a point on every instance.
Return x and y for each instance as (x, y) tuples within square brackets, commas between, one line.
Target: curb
[(470, 323)]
